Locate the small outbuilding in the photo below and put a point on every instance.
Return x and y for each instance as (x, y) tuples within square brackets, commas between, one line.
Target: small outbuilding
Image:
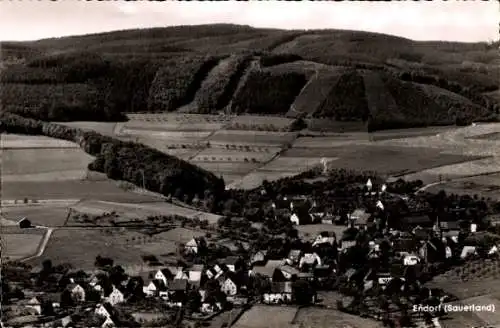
[(25, 223)]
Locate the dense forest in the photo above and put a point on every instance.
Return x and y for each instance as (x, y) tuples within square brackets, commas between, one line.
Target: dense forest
[(206, 68)]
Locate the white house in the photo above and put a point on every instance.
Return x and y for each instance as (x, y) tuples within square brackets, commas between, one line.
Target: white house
[(192, 246), (164, 275), (468, 251), (410, 259), (194, 274), (115, 297), (105, 310), (229, 286), (154, 288), (77, 292)]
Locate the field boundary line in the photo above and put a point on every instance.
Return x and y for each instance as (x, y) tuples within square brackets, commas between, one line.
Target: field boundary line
[(41, 247)]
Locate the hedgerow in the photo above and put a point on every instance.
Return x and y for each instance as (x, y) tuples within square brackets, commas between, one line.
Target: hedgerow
[(216, 90), (127, 161), (268, 92), (176, 82)]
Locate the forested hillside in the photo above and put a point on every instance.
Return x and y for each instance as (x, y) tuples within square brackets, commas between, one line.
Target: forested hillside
[(381, 80)]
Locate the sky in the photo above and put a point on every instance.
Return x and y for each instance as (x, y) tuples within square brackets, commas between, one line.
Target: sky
[(467, 21)]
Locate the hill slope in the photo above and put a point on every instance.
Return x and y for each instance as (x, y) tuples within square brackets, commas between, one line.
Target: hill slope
[(378, 79)]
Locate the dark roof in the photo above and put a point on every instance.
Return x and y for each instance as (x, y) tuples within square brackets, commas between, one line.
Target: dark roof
[(404, 245), (178, 285), (231, 260), (449, 225), (159, 284), (50, 297), (417, 220)]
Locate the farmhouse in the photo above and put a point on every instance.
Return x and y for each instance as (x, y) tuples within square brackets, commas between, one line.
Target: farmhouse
[(76, 292), (358, 218), (164, 275), (38, 303), (154, 288), (258, 257), (233, 263), (231, 284), (195, 274), (310, 260), (116, 296)]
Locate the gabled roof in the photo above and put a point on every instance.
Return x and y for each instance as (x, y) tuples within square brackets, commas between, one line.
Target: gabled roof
[(109, 308), (178, 285)]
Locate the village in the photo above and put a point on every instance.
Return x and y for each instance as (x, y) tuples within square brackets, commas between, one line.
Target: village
[(377, 258)]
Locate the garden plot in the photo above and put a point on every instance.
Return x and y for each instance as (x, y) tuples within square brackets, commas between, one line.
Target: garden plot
[(228, 155), (265, 122), (20, 245), (44, 164), (17, 141), (262, 316), (256, 138)]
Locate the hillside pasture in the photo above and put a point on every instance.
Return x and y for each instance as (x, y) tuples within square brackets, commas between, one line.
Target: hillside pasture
[(20, 141), (262, 316), (255, 179), (311, 317), (80, 246), (45, 215), (20, 245), (383, 159), (294, 164)]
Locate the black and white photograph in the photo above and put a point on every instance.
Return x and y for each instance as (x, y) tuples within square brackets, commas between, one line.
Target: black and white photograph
[(250, 164)]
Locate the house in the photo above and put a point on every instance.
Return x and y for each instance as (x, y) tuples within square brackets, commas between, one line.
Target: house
[(192, 246), (165, 275), (176, 293), (24, 223), (411, 259), (279, 293), (216, 271), (76, 291), (116, 296), (195, 274), (358, 218), (258, 257), (154, 288), (37, 303), (300, 218), (105, 309), (233, 263), (317, 212), (108, 323), (294, 257), (468, 251), (310, 259), (324, 237), (181, 275), (231, 284)]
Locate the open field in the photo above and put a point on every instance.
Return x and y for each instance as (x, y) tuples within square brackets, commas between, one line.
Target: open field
[(482, 186), (329, 318), (263, 316), (102, 190), (20, 245), (232, 155), (45, 215), (179, 235), (227, 167), (79, 247), (310, 231), (141, 210), (243, 121), (26, 141), (36, 161), (157, 248)]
